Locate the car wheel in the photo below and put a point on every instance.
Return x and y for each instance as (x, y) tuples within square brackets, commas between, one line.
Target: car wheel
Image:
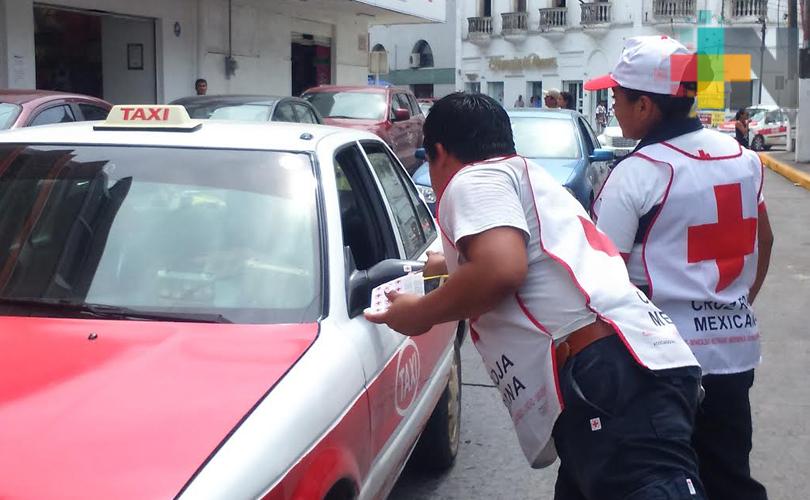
[(758, 144), (437, 447)]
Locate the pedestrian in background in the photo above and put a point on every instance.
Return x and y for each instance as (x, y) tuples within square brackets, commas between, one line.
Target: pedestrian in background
[(566, 101), (519, 103), (527, 264), (601, 117), (551, 98), (686, 210), (741, 127), (201, 86)]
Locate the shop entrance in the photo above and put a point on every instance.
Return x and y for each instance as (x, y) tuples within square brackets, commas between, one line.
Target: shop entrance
[(311, 62), (103, 55)]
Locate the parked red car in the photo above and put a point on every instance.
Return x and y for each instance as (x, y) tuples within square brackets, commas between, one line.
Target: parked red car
[(28, 108), (391, 113)]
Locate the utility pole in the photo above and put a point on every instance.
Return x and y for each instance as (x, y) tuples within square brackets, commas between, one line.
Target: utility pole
[(761, 59)]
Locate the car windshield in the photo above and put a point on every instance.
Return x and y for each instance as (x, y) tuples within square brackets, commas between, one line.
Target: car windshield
[(357, 105), (222, 111), (8, 114), (162, 230), (757, 115), (538, 137)]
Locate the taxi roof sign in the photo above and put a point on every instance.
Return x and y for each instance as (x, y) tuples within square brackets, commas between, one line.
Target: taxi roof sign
[(162, 117)]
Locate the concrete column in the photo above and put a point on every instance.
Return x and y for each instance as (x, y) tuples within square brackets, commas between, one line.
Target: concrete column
[(803, 122), (17, 63)]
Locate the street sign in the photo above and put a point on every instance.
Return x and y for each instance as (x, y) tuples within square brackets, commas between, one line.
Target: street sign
[(378, 62)]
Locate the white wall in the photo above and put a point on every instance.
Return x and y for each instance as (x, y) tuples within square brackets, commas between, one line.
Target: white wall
[(399, 40), (121, 84), (17, 35), (261, 46), (176, 59)]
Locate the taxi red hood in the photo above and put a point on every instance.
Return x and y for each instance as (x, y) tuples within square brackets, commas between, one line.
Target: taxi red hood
[(134, 412)]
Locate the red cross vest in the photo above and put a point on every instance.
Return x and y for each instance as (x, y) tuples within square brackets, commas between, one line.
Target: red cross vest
[(700, 252), (517, 349)]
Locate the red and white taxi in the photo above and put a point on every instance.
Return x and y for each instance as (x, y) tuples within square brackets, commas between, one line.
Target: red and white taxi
[(768, 127), (181, 313)]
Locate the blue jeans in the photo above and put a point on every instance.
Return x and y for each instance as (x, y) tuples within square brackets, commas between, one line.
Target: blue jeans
[(625, 432)]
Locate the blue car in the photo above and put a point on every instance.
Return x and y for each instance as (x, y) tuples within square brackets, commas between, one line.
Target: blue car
[(560, 141)]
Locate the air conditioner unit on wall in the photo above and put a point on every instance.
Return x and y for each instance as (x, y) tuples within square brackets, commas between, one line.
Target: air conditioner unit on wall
[(416, 60)]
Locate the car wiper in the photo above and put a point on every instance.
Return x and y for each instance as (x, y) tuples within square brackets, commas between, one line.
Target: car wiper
[(113, 312), (342, 116)]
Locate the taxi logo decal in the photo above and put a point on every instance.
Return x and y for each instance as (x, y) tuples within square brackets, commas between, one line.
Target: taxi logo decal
[(407, 379), (133, 113)]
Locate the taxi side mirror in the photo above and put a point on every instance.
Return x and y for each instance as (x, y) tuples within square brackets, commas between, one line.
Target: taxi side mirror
[(360, 283), (420, 154)]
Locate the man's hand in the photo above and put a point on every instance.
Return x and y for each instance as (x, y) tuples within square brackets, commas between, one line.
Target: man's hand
[(435, 265), (402, 316)]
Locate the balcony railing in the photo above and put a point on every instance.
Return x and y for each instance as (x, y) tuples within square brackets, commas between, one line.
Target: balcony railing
[(595, 13), (556, 17), (514, 22), (479, 26), (749, 8), (678, 9)]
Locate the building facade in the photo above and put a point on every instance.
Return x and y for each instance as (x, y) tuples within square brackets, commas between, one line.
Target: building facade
[(153, 50), (424, 57), (522, 47)]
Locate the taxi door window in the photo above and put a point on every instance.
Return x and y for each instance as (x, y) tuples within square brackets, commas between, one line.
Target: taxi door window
[(284, 113), (56, 114), (413, 221), (365, 226)]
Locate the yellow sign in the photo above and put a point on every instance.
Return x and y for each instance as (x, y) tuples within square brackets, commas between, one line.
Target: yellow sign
[(519, 63), (718, 117)]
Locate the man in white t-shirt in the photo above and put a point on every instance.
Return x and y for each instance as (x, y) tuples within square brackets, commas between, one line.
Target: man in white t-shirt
[(578, 353), (685, 209)]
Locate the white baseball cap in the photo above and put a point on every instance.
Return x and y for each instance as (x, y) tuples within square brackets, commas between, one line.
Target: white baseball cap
[(656, 64)]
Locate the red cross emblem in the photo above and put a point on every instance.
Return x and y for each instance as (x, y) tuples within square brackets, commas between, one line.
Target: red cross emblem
[(727, 241)]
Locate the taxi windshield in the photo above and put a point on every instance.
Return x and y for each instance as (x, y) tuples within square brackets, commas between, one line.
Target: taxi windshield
[(356, 105), (545, 137), (8, 114), (232, 233), (244, 112)]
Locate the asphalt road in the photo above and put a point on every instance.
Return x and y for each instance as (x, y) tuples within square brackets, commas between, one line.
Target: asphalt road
[(490, 464)]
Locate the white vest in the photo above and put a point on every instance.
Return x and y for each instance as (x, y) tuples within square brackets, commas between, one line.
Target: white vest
[(700, 252), (515, 347)]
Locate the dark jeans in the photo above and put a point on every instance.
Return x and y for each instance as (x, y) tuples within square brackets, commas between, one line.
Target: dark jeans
[(625, 432), (722, 438)]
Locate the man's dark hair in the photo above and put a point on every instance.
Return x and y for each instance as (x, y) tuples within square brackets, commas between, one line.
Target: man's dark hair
[(199, 81), (471, 127), (671, 106)]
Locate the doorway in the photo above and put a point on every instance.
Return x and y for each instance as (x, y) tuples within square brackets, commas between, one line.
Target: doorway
[(311, 62), (99, 54)]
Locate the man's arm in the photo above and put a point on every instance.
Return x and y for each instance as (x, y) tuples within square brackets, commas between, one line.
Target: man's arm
[(765, 244), (496, 264)]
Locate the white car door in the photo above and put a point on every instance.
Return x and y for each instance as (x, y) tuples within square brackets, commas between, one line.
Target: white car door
[(383, 218)]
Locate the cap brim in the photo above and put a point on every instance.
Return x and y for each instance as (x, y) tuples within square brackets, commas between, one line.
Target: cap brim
[(603, 82)]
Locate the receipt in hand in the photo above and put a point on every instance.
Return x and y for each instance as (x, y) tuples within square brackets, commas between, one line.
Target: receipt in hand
[(410, 283)]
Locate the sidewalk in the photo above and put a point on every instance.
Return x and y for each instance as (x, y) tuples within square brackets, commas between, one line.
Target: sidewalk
[(782, 162)]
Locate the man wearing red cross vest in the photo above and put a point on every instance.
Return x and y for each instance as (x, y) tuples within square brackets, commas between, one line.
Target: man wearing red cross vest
[(686, 210)]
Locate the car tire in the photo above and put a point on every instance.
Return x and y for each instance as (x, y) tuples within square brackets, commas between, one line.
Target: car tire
[(758, 144), (436, 450)]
